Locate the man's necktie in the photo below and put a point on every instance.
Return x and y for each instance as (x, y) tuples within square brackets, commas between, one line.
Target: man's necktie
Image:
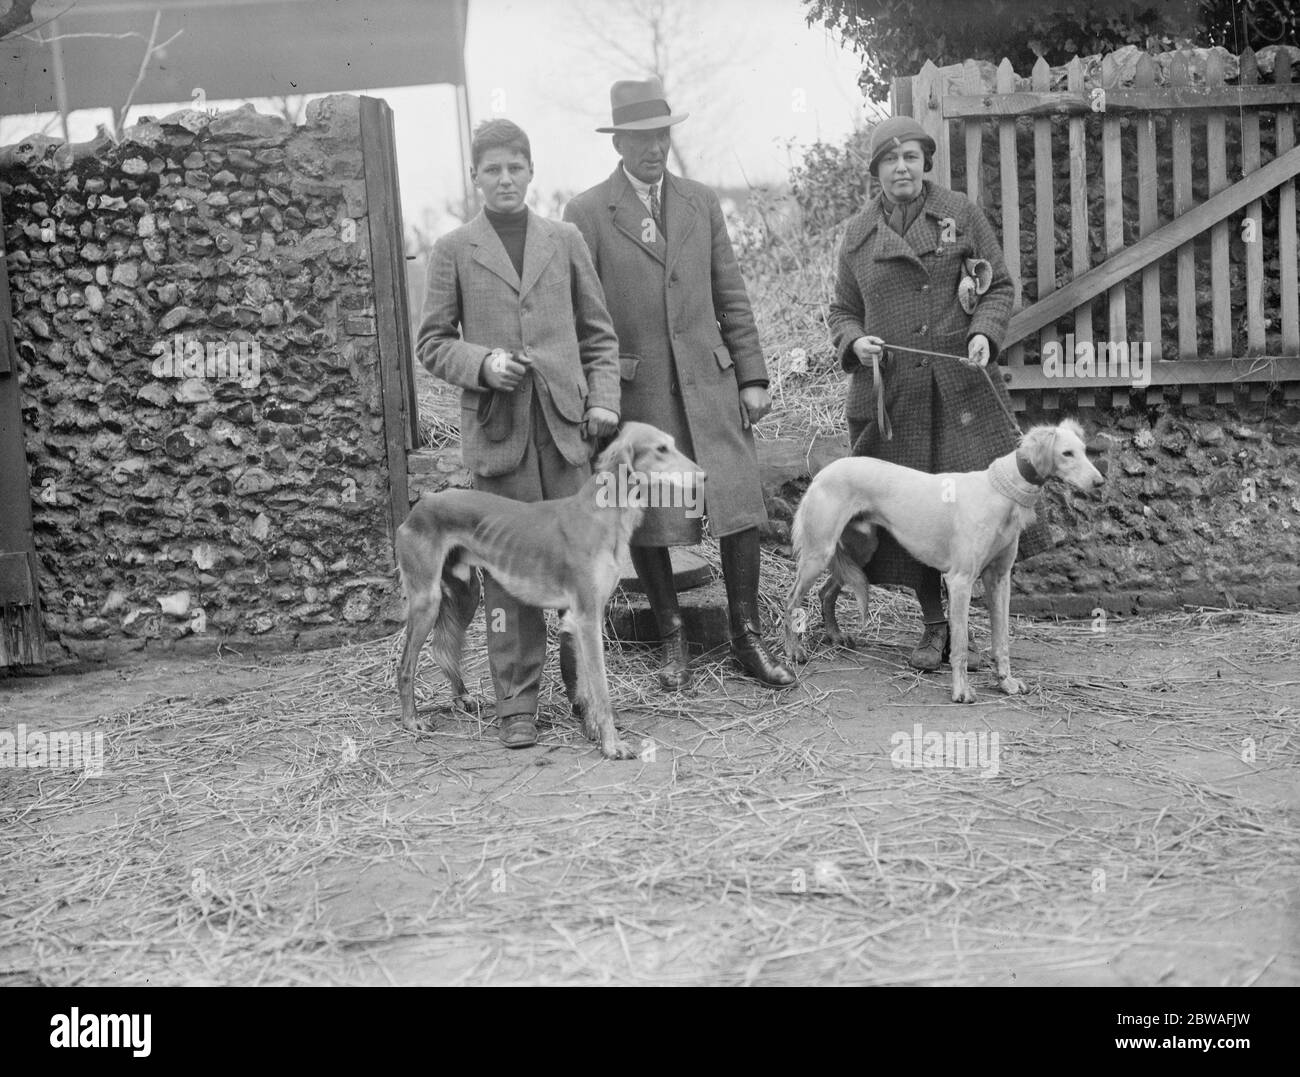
[(657, 211)]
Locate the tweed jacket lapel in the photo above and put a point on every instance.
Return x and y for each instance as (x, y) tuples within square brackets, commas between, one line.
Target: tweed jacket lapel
[(629, 213), (539, 248), (680, 217), (490, 252), (870, 227), (924, 237)]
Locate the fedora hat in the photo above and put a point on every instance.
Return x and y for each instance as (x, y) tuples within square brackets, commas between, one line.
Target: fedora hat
[(639, 106), (892, 133)]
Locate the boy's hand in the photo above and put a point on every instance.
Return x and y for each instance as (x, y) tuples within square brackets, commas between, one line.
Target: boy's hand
[(504, 370), (599, 423)]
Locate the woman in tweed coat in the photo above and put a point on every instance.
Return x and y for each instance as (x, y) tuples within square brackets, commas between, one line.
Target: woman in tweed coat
[(902, 262)]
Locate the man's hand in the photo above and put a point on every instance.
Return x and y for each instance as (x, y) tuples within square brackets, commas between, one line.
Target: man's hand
[(978, 351), (755, 403), (504, 371), (868, 348), (600, 423)]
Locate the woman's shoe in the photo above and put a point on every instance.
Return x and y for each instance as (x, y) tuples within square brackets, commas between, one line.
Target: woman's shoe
[(930, 652)]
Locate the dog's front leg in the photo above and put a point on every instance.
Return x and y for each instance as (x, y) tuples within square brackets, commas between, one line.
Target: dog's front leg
[(959, 589), (593, 689), (997, 593)]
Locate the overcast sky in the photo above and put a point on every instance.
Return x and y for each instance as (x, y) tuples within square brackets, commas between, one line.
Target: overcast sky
[(752, 76)]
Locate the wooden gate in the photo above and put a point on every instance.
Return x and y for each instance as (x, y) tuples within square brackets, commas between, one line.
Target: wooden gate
[(1202, 270), (22, 638)]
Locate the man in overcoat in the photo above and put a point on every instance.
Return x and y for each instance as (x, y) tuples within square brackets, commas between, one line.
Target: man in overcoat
[(514, 315), (689, 360)]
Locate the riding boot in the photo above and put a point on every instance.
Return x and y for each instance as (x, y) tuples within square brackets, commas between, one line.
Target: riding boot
[(654, 567), (740, 575)]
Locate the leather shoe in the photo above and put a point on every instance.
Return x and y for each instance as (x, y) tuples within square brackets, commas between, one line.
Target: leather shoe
[(519, 730), (932, 650), (752, 655)]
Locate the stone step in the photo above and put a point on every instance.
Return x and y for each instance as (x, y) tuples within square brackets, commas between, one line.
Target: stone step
[(704, 617)]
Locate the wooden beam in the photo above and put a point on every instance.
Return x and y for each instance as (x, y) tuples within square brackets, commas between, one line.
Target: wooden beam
[(1273, 371), (384, 220), (1156, 245), (1160, 99), (22, 631)]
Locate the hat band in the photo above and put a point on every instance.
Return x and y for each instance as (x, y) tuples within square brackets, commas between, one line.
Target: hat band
[(641, 110)]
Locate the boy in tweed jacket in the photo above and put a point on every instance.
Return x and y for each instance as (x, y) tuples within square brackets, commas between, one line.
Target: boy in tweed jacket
[(515, 316)]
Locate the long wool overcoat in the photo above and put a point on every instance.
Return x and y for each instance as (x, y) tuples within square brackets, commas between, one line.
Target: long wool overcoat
[(686, 338), (946, 416)]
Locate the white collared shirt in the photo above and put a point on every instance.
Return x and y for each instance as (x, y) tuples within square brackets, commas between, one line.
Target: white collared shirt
[(643, 189)]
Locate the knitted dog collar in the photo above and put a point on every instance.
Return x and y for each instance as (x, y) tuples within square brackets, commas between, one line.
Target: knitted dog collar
[(1005, 478)]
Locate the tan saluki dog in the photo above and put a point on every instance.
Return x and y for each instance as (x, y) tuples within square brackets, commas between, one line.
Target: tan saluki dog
[(965, 524), (561, 555)]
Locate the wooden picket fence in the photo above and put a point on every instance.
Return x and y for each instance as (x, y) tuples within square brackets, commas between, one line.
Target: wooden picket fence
[(1139, 278)]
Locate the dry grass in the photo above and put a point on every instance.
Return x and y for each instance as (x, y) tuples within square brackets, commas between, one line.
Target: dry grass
[(234, 838)]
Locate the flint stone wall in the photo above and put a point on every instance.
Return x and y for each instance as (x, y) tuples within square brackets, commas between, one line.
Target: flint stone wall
[(243, 504)]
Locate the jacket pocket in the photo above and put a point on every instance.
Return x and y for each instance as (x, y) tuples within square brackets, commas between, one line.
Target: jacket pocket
[(723, 357), (493, 415), (627, 365), (568, 401)]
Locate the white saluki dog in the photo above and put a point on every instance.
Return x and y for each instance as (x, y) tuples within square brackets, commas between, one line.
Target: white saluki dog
[(562, 555), (965, 524)]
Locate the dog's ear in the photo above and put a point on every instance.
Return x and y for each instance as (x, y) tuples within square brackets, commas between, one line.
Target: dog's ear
[(618, 451), (1074, 428), (1039, 447)]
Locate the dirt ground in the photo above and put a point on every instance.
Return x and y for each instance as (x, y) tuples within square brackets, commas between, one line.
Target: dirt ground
[(264, 821)]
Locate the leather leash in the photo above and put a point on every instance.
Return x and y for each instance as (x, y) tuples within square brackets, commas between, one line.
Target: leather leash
[(882, 417)]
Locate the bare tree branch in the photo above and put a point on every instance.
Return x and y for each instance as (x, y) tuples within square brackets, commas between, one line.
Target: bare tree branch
[(641, 38), (150, 49)]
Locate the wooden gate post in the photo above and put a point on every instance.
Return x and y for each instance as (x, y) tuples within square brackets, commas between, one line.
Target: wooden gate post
[(392, 313), (927, 108), (22, 636)]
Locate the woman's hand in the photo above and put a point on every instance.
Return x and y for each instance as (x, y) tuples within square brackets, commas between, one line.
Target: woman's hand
[(977, 348), (504, 371), (868, 348)]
